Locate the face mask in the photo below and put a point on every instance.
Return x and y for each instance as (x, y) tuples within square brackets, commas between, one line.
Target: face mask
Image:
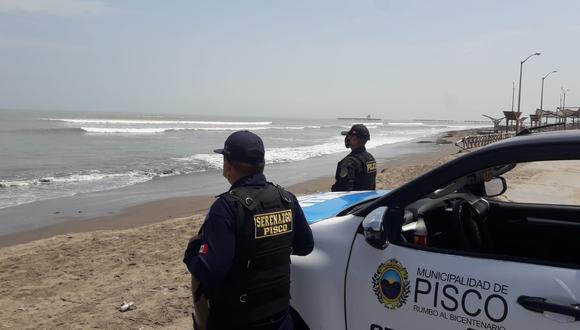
[(347, 141)]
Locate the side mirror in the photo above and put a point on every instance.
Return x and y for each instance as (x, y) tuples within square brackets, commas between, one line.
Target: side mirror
[(495, 187), (373, 227)]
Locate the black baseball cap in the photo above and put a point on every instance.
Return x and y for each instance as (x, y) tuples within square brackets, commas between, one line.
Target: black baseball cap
[(245, 147), (358, 130)]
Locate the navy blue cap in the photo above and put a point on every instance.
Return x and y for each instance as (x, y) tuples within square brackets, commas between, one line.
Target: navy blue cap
[(245, 147), (358, 130)]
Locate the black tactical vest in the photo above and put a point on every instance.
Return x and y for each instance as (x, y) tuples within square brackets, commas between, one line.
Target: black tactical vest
[(365, 176), (258, 284)]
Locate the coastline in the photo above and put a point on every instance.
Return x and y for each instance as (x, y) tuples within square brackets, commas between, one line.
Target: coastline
[(163, 209), (78, 279)]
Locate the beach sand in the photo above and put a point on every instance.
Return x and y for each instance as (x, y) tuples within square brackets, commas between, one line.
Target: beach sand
[(79, 279), (549, 182)]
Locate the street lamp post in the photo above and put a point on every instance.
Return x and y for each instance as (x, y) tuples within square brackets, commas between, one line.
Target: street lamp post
[(557, 117), (564, 91), (513, 94), (520, 87), (542, 95)]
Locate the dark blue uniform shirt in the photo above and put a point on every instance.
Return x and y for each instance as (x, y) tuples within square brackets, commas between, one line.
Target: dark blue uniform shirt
[(211, 267)]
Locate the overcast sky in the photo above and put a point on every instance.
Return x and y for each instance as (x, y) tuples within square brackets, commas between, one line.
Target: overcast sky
[(391, 59)]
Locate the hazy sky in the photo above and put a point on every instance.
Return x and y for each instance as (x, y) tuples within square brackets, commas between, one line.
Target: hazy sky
[(392, 59)]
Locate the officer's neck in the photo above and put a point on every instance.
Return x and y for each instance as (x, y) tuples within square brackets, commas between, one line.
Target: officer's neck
[(252, 178), (357, 150)]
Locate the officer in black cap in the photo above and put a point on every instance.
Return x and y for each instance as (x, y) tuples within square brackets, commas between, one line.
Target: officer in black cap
[(241, 256), (358, 170)]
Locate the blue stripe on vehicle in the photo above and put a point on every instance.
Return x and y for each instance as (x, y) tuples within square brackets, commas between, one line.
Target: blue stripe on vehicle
[(322, 206)]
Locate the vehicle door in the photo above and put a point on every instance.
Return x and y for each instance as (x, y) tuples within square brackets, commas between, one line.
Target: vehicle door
[(403, 286)]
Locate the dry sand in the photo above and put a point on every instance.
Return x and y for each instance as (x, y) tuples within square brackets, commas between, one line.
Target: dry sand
[(78, 280), (550, 182)]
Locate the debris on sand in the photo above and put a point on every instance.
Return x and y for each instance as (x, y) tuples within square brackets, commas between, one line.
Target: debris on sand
[(127, 306)]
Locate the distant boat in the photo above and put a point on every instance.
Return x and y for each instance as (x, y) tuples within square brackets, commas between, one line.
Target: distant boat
[(368, 117)]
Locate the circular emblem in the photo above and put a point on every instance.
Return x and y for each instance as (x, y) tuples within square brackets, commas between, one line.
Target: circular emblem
[(343, 172), (391, 284)]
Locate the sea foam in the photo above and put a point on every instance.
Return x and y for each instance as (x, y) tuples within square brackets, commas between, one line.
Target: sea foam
[(156, 122), (293, 154)]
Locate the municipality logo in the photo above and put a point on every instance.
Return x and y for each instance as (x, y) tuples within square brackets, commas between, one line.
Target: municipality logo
[(391, 284)]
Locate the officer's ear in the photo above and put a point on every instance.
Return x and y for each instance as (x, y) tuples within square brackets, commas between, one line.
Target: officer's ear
[(355, 141), (227, 168), (231, 171)]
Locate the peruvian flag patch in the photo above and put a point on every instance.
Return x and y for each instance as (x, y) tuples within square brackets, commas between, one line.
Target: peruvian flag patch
[(203, 249)]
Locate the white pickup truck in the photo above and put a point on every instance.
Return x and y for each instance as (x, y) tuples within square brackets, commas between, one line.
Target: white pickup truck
[(446, 250)]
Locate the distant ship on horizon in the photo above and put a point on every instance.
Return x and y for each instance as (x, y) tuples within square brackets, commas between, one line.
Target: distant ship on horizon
[(368, 117)]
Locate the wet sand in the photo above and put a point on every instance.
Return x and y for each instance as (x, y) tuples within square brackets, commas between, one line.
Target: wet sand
[(79, 278)]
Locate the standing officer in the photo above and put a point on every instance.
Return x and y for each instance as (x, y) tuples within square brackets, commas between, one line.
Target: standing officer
[(358, 170), (241, 256)]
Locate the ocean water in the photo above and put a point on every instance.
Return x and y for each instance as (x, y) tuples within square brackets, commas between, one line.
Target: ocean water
[(46, 155)]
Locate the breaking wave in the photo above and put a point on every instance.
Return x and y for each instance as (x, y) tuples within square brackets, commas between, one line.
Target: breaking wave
[(157, 122), (50, 130), (126, 130), (293, 154), (406, 124), (26, 190)]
